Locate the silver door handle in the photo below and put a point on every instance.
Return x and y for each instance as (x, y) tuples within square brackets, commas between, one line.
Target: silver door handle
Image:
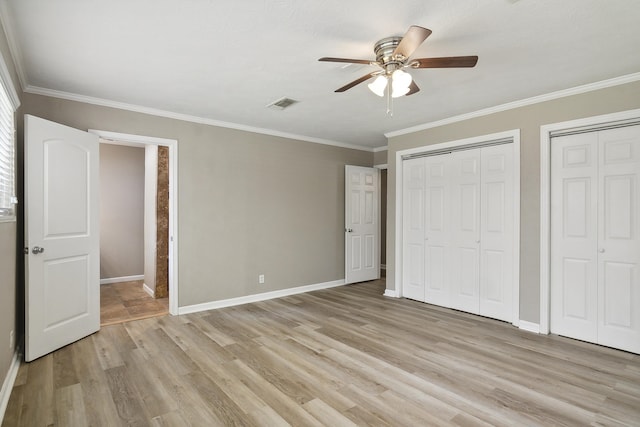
[(349, 230), (37, 250), (601, 250)]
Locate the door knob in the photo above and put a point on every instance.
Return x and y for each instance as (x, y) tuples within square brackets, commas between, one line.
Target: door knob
[(37, 250), (601, 250), (349, 230)]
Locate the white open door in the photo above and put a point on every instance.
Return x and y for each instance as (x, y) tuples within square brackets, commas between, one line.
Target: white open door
[(362, 224), (61, 236)]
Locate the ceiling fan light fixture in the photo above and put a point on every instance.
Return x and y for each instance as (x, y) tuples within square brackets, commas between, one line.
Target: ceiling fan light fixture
[(400, 83), (379, 85)]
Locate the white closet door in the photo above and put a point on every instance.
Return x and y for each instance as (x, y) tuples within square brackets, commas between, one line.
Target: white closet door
[(619, 238), (413, 227), (496, 235), (574, 277), (437, 230), (465, 230)]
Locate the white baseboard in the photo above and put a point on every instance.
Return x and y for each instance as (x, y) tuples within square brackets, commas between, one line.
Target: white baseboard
[(383, 266), (149, 290), (7, 385), (391, 293), (212, 305), (121, 279), (529, 326)]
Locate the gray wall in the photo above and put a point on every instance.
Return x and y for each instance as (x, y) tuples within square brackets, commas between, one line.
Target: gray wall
[(121, 211), (528, 119), (10, 265), (249, 204)]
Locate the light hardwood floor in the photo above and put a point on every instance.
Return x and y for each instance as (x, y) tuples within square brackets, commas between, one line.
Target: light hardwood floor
[(126, 301), (339, 357)]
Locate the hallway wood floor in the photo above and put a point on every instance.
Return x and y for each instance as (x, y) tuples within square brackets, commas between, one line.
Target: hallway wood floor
[(339, 357), (126, 301)]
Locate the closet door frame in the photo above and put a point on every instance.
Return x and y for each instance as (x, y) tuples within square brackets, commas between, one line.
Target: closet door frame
[(590, 124), (514, 136)]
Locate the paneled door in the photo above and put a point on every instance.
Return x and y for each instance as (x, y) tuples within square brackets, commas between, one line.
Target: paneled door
[(595, 242), (413, 230), (362, 224), (465, 230), (437, 240), (61, 235), (497, 232)]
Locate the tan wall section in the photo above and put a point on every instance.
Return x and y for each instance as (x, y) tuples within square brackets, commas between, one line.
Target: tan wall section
[(121, 211), (528, 119), (249, 203), (380, 157)]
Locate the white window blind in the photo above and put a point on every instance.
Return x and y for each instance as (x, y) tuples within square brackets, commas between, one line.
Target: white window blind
[(7, 157)]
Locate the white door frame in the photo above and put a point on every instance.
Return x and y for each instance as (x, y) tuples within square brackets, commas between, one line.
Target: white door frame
[(514, 134), (140, 141), (594, 122)]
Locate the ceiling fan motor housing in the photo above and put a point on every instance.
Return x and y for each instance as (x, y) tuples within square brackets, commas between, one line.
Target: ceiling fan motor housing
[(384, 53)]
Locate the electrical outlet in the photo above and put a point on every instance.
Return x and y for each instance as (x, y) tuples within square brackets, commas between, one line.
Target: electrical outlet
[(11, 340), (261, 278)]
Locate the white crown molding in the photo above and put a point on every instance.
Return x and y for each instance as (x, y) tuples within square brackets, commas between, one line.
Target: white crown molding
[(212, 305), (36, 90), (378, 149), (616, 81), (14, 49)]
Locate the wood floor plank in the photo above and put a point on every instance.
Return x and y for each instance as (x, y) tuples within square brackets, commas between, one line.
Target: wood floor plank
[(342, 356)]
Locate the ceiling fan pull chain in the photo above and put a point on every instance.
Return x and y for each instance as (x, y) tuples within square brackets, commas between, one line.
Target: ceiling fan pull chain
[(389, 100)]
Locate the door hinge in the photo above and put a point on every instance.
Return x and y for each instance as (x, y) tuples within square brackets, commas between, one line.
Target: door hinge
[(26, 251)]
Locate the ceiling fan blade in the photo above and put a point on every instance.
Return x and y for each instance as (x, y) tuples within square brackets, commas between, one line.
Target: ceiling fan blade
[(411, 40), (413, 88), (347, 60), (356, 82), (446, 62)]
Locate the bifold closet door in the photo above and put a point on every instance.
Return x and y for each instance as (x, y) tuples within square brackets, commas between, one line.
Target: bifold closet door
[(437, 230), (595, 246), (413, 228), (497, 232), (464, 264)]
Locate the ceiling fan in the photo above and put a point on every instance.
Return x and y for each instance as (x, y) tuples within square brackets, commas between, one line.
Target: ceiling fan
[(393, 54)]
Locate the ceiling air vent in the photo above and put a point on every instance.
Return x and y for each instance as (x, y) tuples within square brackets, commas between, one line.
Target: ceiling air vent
[(281, 103)]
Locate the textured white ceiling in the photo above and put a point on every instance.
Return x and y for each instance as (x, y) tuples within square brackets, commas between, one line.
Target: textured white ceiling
[(226, 60)]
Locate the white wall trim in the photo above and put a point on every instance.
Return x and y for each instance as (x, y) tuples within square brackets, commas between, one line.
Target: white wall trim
[(391, 293), (148, 290), (110, 280), (186, 117), (616, 81), (383, 266), (529, 326), (381, 166), (9, 381), (8, 85), (212, 305), (513, 134), (545, 198), (378, 149), (141, 140)]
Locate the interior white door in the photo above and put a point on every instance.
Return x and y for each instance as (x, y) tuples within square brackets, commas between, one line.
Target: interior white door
[(437, 240), (574, 201), (362, 227), (595, 237), (413, 220), (496, 232), (619, 238), (465, 230), (62, 236)]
